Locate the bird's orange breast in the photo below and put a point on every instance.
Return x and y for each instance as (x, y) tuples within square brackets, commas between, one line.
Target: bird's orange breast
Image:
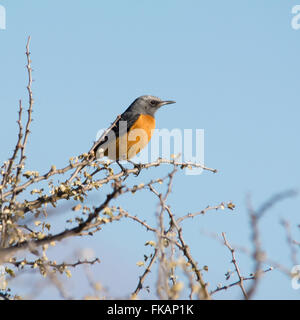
[(146, 123), (139, 135), (137, 138)]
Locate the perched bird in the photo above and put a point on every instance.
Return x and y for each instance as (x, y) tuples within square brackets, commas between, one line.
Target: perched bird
[(132, 131)]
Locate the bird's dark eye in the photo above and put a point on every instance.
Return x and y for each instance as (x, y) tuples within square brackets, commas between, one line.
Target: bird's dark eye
[(153, 102)]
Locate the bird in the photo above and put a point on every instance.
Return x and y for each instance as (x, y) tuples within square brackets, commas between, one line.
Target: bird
[(132, 131)]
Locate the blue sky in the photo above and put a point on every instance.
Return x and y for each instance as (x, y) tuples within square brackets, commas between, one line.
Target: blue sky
[(233, 69)]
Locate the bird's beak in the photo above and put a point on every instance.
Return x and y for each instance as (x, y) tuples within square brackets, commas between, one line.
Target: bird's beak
[(166, 102)]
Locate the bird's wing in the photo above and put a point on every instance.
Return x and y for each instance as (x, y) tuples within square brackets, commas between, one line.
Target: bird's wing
[(128, 118)]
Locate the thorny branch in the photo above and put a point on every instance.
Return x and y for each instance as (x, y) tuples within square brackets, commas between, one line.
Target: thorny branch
[(173, 224), (258, 254), (237, 269), (255, 215)]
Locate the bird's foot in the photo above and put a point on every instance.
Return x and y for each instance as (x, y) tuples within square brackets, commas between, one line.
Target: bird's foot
[(137, 166), (124, 170)]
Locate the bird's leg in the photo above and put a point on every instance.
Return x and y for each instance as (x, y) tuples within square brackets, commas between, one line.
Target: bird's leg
[(123, 169), (138, 166)]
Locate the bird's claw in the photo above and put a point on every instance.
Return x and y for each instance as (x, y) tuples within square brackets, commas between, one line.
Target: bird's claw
[(139, 167), (124, 170)]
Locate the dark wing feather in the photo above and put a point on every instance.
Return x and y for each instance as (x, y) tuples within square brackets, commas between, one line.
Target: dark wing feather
[(130, 117)]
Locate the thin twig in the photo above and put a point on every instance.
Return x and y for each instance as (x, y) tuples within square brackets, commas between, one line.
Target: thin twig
[(237, 269), (222, 206), (144, 275), (290, 241), (237, 283), (29, 118), (185, 249)]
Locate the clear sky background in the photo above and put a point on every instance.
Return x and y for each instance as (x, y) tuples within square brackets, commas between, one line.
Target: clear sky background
[(232, 66)]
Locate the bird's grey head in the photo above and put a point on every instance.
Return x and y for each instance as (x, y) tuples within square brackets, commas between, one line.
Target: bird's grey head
[(148, 104)]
